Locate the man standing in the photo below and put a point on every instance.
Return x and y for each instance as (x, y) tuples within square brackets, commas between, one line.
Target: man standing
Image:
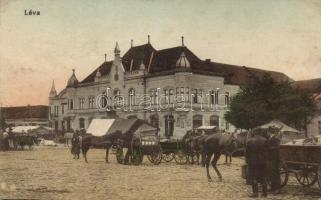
[(274, 160), (256, 156)]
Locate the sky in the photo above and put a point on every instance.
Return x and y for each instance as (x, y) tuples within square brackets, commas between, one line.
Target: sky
[(278, 35)]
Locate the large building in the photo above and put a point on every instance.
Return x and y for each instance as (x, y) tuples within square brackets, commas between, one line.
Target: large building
[(181, 90)]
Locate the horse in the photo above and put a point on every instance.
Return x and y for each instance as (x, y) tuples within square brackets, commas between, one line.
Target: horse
[(106, 142), (216, 144), (239, 147)]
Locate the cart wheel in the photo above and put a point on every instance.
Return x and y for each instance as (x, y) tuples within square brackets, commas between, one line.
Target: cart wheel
[(167, 157), (319, 175), (155, 156), (180, 157), (137, 156), (192, 158), (307, 176), (120, 155)]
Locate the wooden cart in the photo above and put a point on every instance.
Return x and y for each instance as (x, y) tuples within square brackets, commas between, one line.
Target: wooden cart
[(304, 161)]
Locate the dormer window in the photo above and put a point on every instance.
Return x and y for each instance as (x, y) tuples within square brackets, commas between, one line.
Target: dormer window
[(116, 77)]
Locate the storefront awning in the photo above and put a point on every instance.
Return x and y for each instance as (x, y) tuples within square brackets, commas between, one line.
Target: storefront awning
[(100, 127)]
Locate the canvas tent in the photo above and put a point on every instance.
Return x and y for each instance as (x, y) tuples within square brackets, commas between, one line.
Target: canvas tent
[(288, 133), (278, 124), (100, 127)]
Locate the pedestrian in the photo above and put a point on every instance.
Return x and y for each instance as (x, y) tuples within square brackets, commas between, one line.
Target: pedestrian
[(75, 145), (256, 153), (5, 141), (274, 159)]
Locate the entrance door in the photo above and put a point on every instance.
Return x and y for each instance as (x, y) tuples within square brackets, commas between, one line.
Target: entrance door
[(169, 125)]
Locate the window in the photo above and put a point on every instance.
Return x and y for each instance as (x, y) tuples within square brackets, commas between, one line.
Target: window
[(212, 97), (200, 95), (117, 96), (70, 104), (131, 97), (169, 125), (116, 77), (153, 96), (166, 92), (227, 98), (187, 95), (194, 96), (227, 125), (103, 100), (91, 101), (56, 110), (62, 109), (81, 123), (216, 96), (180, 94), (197, 121), (171, 95), (81, 103), (214, 120)]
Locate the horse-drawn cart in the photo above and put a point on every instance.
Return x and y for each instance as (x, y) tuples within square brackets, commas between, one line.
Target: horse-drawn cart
[(142, 143), (174, 149), (302, 160)]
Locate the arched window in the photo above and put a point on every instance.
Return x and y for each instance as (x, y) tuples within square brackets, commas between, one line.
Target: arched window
[(214, 120), (131, 97), (197, 121), (212, 97), (227, 98)]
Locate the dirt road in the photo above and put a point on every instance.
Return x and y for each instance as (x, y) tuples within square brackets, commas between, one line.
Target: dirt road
[(51, 173)]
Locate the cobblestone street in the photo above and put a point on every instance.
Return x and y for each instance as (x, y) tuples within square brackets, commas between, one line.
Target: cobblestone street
[(51, 173)]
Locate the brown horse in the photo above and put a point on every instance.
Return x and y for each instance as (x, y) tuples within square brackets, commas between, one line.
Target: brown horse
[(216, 144), (238, 148), (106, 142)]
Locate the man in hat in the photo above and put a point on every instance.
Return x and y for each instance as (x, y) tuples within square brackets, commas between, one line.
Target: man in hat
[(274, 159), (256, 153)]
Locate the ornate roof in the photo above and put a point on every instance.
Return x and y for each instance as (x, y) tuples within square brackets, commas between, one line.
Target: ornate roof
[(73, 81), (166, 61), (182, 61)]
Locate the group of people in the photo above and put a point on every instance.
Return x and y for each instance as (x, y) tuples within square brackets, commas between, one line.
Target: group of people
[(263, 160)]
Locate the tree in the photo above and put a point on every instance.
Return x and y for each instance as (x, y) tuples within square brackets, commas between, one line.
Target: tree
[(264, 100)]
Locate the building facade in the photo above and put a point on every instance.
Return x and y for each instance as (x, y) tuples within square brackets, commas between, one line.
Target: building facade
[(172, 89)]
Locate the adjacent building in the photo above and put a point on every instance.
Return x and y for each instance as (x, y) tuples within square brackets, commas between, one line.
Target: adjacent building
[(173, 89), (25, 115), (313, 86)]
